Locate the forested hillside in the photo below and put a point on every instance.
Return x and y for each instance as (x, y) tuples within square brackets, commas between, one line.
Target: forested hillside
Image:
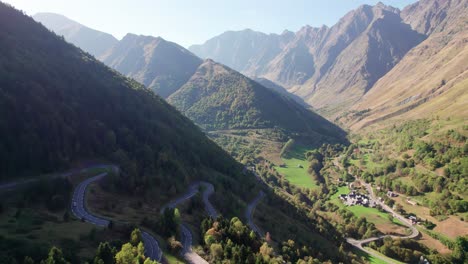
[(218, 98), (59, 105)]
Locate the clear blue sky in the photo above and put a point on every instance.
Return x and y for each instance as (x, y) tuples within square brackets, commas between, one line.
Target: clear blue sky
[(194, 21)]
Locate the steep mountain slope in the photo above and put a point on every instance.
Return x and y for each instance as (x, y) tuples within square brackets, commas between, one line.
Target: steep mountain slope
[(352, 55), (219, 98), (330, 68), (425, 16), (246, 51), (90, 40), (432, 79), (161, 65), (58, 105)]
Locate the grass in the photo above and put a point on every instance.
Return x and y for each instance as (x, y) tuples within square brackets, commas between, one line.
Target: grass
[(389, 260), (371, 214), (369, 258), (335, 197), (292, 170)]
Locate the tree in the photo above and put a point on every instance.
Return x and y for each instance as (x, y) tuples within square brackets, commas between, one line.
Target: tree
[(105, 252), (135, 237), (216, 250), (461, 248), (55, 257), (130, 254), (28, 260)]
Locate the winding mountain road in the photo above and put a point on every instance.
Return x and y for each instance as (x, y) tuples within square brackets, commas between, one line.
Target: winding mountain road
[(152, 249), (249, 213), (6, 186), (187, 252), (78, 207), (360, 243)]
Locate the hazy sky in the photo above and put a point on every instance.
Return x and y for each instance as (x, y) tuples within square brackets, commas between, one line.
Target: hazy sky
[(194, 21)]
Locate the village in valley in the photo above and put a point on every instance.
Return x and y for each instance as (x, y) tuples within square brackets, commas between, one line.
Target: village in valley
[(355, 198)]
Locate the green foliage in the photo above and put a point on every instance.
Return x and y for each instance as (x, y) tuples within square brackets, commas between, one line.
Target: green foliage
[(442, 151), (287, 147), (59, 105), (218, 98), (233, 242), (55, 257), (167, 224), (105, 254), (135, 237)]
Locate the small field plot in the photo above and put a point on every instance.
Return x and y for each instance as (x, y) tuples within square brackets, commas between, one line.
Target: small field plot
[(295, 166)]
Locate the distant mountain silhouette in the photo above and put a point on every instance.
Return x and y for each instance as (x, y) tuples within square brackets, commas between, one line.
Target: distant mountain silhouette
[(90, 40)]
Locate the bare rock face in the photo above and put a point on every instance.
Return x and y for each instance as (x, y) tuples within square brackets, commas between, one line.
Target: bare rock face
[(431, 79), (330, 68), (246, 51), (359, 50)]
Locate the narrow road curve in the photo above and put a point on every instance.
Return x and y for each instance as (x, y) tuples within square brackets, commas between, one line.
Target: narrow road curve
[(6, 186), (249, 213), (187, 252), (78, 207), (360, 243)]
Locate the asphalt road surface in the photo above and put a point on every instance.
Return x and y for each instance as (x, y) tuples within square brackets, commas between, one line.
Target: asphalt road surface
[(194, 188), (360, 243), (249, 213), (187, 252), (192, 191), (78, 207), (14, 184)]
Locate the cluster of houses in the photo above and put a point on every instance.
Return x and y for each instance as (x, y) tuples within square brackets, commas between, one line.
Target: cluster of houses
[(354, 198)]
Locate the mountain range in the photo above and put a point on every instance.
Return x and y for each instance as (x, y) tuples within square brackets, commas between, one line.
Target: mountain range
[(432, 79), (214, 96), (344, 71), (377, 63)]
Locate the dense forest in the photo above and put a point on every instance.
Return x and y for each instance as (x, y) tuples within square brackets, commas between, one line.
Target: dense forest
[(60, 105), (219, 98)]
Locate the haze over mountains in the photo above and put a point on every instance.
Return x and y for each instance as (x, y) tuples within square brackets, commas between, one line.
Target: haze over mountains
[(432, 79), (363, 70), (333, 68), (212, 95), (90, 40), (160, 65)]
